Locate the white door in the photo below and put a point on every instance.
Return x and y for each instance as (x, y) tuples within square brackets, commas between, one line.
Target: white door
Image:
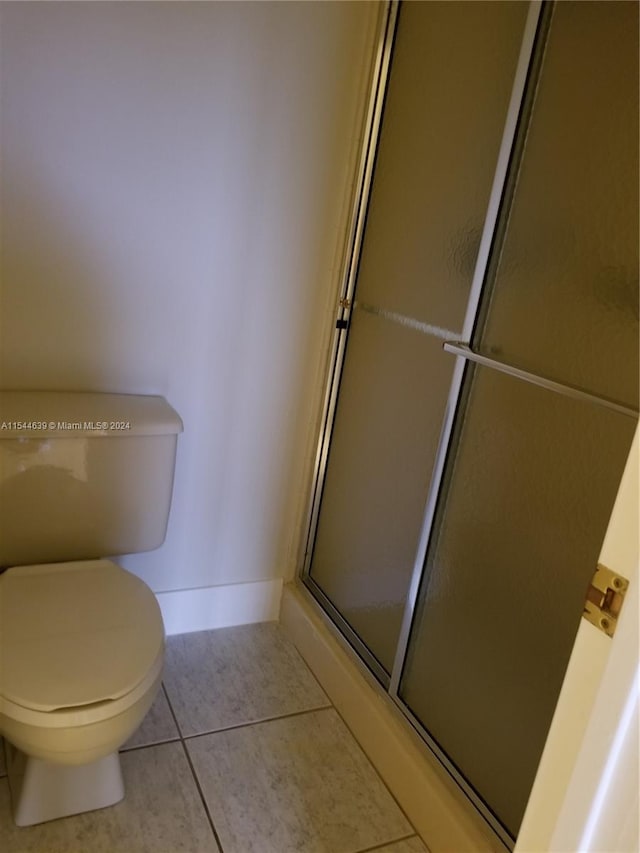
[(585, 795)]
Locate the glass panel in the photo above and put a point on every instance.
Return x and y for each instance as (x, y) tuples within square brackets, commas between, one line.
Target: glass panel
[(392, 395), (565, 301), (451, 78), (533, 483), (453, 68)]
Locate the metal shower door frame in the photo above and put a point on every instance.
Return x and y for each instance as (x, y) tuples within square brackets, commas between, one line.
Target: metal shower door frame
[(495, 223), (366, 163)]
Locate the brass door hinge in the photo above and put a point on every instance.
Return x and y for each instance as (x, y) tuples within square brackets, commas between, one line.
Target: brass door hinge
[(605, 597)]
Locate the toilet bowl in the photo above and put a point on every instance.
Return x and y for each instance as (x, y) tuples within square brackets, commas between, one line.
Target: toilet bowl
[(82, 475), (82, 649)]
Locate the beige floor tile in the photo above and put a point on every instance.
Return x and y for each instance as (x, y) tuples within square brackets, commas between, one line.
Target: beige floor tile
[(297, 784), (157, 727), (231, 676), (162, 813)]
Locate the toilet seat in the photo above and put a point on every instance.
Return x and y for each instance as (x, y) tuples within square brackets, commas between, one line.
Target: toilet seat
[(83, 715), (81, 642)]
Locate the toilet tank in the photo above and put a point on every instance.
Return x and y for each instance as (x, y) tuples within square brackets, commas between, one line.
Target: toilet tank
[(83, 475)]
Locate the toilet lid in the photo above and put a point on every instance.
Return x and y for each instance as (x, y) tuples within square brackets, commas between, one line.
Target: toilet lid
[(72, 634)]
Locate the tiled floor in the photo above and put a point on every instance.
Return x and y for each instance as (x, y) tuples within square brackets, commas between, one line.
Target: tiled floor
[(241, 753)]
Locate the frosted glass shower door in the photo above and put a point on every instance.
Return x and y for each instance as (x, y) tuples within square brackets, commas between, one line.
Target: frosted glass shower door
[(451, 77), (532, 486), (546, 417), (480, 432)]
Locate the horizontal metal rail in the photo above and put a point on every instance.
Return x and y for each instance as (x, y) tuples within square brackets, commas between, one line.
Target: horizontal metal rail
[(573, 391)]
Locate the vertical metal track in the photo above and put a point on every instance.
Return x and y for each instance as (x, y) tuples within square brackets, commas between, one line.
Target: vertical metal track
[(373, 119), (505, 179), (507, 166)]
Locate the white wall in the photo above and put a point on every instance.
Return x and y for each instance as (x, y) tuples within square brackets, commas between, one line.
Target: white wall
[(174, 180)]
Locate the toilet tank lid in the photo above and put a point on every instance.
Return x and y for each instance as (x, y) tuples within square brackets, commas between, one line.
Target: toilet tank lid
[(66, 414)]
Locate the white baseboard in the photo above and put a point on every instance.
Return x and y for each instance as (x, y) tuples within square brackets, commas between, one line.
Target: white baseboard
[(204, 608), (434, 804)]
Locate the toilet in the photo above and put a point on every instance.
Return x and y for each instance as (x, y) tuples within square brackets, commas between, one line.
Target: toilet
[(83, 477)]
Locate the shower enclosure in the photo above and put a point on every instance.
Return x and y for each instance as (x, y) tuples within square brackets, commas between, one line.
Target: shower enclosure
[(483, 388)]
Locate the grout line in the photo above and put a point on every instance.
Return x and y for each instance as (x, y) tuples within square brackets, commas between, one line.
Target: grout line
[(377, 772), (173, 715), (325, 707), (259, 722), (202, 796), (193, 773), (379, 775), (184, 738), (290, 642), (375, 769), (388, 843), (136, 747)]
